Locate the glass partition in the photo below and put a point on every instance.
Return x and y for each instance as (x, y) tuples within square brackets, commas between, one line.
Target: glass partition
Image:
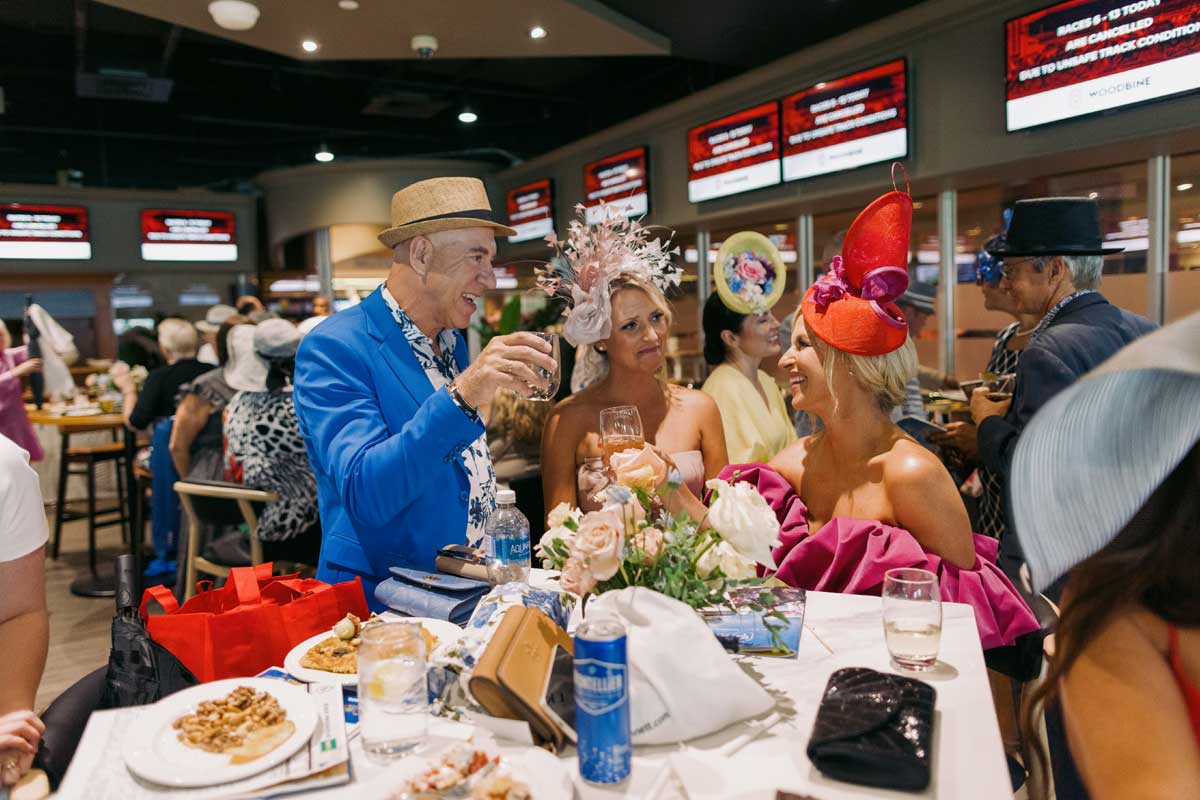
[(1182, 288)]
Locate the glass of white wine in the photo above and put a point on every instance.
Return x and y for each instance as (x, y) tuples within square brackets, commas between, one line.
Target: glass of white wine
[(620, 429), (912, 617)]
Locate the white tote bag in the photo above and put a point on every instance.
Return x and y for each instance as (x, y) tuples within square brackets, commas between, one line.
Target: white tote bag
[(682, 683)]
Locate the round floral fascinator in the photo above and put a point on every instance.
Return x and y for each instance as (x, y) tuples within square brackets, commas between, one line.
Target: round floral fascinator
[(591, 258), (750, 273), (852, 306)]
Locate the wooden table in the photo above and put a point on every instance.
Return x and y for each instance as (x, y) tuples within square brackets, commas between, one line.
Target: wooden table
[(94, 583)]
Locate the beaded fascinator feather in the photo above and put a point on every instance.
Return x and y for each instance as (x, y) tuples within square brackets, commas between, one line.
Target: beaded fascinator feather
[(591, 258)]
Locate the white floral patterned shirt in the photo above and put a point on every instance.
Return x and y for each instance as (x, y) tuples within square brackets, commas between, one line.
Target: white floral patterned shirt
[(440, 370)]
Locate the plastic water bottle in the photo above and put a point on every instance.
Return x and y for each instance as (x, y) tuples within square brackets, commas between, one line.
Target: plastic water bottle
[(509, 531)]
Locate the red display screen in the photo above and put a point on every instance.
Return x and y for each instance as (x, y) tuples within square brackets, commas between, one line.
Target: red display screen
[(1086, 56), (622, 181), (846, 123), (734, 154), (175, 235), (531, 210), (44, 232)]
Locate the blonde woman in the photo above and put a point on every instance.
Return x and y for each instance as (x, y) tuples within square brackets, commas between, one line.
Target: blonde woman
[(862, 497), (683, 423), (614, 278)]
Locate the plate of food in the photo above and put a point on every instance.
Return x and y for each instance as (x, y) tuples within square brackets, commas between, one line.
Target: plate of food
[(478, 771), (332, 657), (219, 732)]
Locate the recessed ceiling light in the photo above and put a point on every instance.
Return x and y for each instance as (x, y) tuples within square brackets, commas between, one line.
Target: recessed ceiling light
[(310, 46), (1183, 187), (1093, 195), (323, 154), (820, 85), (537, 32), (467, 116), (348, 5), (234, 15)]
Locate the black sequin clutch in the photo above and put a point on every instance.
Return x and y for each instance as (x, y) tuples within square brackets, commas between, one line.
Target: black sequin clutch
[(874, 729)]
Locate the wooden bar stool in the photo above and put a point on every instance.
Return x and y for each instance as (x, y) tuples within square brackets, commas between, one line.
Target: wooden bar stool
[(84, 461)]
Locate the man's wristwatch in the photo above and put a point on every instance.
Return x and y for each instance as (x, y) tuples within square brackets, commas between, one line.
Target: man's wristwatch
[(457, 397)]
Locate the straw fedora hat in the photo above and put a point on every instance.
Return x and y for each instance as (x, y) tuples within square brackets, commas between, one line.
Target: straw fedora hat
[(440, 204)]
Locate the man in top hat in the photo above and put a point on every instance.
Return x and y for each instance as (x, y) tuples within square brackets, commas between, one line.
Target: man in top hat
[(1053, 257), (392, 415)]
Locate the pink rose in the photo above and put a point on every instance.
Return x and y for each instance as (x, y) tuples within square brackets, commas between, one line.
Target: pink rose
[(751, 270), (576, 578), (639, 469), (600, 542), (650, 542)]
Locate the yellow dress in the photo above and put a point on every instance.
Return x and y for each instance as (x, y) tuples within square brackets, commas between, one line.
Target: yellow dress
[(753, 432)]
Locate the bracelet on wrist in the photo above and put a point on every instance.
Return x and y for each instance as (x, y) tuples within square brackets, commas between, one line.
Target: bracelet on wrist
[(456, 396)]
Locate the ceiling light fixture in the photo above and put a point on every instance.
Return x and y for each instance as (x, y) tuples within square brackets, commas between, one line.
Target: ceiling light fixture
[(1183, 187), (820, 85), (310, 46), (1093, 195), (348, 5), (234, 15), (323, 154), (537, 32), (467, 116)]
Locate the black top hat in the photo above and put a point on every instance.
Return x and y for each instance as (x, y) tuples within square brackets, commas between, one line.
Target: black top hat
[(1054, 226)]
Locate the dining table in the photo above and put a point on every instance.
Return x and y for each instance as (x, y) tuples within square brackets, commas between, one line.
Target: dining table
[(745, 761), (70, 420)]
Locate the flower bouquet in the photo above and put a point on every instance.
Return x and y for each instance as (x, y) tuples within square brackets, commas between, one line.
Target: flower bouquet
[(633, 541)]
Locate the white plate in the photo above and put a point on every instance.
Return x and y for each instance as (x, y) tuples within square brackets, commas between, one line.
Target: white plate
[(440, 628), (544, 774), (152, 749)]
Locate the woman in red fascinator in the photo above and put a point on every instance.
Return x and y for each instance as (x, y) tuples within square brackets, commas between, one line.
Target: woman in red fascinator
[(861, 497)]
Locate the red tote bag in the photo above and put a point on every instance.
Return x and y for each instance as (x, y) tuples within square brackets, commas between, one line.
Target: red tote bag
[(251, 623)]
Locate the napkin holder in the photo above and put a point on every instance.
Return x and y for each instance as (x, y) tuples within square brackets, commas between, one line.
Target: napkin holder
[(418, 593), (875, 729), (510, 676)]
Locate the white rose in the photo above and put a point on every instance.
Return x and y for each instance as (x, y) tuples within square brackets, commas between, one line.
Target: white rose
[(564, 535), (729, 560), (561, 513), (590, 318), (742, 517)]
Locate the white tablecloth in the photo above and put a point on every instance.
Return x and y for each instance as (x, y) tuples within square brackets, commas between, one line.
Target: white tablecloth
[(968, 754)]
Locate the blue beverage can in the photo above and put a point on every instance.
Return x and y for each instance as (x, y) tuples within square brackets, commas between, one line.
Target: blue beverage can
[(602, 703)]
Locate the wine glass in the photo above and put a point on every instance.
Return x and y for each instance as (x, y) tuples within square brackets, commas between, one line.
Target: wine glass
[(620, 429), (912, 617), (554, 376)]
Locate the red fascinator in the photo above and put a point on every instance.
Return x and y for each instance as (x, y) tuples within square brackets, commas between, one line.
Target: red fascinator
[(852, 306)]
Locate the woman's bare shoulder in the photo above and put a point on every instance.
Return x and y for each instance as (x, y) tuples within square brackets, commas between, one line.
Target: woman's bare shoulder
[(910, 465), (789, 461), (693, 400)]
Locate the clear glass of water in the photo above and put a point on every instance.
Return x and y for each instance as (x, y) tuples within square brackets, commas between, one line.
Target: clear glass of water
[(393, 701), (554, 376), (912, 617)]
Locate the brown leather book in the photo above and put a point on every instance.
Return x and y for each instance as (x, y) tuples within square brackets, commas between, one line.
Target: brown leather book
[(510, 676)]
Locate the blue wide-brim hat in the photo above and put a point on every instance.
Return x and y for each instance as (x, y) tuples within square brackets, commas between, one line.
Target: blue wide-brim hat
[(1091, 457)]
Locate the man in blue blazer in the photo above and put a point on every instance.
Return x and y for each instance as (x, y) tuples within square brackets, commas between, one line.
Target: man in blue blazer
[(1053, 257), (392, 415)]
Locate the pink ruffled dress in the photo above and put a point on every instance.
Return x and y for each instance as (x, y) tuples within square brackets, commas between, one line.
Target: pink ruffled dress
[(851, 556)]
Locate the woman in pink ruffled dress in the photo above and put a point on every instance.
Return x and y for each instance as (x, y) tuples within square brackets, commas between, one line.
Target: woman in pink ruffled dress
[(15, 363), (861, 496)]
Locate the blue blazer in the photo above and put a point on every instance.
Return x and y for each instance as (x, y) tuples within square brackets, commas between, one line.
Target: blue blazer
[(383, 444), (1084, 333)]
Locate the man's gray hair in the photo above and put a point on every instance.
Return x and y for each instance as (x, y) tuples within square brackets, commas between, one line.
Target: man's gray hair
[(178, 338), (1085, 270)]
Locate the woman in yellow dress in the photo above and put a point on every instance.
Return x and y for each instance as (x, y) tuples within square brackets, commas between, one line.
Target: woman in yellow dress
[(740, 332)]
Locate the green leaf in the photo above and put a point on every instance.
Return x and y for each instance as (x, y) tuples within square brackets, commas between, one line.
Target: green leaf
[(510, 317)]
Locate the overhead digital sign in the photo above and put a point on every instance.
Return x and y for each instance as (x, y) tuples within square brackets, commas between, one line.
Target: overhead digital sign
[(1086, 56), (44, 232), (531, 210), (621, 181), (734, 154), (846, 123), (174, 235)]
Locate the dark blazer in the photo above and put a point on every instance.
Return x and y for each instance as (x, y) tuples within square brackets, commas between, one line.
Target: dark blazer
[(383, 444), (1086, 332)]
